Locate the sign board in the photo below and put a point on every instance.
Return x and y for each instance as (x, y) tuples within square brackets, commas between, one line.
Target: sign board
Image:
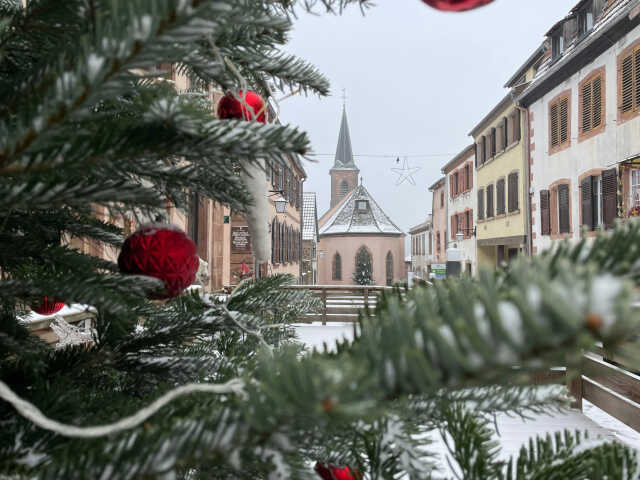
[(439, 270), (240, 239)]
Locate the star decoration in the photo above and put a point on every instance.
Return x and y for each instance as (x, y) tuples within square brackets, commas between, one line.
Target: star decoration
[(405, 173)]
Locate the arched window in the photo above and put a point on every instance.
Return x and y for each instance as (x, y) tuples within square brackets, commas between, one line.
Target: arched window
[(273, 241), (344, 188), (336, 267), (364, 270), (389, 269)]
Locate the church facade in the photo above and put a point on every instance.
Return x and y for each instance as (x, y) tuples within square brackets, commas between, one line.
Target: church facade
[(355, 235)]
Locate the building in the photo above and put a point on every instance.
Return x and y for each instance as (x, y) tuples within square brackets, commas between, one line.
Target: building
[(462, 205), (439, 222), (584, 106), (421, 249), (309, 239), (501, 224), (355, 229)]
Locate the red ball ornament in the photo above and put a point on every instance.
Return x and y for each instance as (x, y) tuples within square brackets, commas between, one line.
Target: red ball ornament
[(161, 251), (233, 106), (331, 472), (456, 5), (48, 306)]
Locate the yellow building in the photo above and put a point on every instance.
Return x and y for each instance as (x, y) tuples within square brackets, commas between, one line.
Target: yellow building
[(501, 187)]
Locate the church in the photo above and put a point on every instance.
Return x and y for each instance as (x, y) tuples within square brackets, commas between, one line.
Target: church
[(356, 231)]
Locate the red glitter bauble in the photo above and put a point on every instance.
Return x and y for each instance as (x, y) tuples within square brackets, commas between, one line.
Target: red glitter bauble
[(47, 306), (331, 472), (161, 251), (231, 106), (456, 5)]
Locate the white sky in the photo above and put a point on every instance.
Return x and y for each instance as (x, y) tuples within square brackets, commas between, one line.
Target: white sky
[(417, 82)]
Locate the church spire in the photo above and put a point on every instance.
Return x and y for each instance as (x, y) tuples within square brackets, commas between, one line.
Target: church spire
[(344, 153)]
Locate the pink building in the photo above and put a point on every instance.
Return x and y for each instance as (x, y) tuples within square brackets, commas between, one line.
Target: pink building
[(355, 226), (439, 221)]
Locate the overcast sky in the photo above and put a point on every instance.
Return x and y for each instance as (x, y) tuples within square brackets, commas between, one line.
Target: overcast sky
[(417, 82)]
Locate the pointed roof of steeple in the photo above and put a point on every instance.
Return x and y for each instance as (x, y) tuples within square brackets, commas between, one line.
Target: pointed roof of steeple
[(344, 153)]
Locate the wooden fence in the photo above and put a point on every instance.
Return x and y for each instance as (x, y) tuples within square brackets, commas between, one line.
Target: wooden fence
[(341, 303)]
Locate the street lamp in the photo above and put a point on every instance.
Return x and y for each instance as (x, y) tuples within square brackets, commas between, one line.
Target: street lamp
[(279, 202), (459, 236)]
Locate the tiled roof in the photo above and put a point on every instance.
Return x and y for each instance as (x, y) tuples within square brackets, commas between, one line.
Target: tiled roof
[(309, 216), (347, 219)]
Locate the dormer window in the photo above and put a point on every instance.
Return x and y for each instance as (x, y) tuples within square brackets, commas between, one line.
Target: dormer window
[(363, 206), (557, 44), (585, 19)]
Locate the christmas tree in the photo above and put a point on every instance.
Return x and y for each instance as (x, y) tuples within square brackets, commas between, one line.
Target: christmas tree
[(204, 387), (363, 274)]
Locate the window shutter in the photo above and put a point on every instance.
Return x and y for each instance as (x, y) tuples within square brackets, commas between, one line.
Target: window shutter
[(513, 192), (636, 77), (597, 102), (489, 201), (586, 107), (563, 208), (460, 181), (627, 74), (453, 227), (516, 126), (586, 201), (555, 120), (505, 133), (500, 195), (493, 142), (480, 204), (545, 213), (564, 120), (476, 148), (484, 150), (609, 196), (470, 177)]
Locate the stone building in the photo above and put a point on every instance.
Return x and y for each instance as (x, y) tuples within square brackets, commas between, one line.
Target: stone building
[(309, 239), (355, 226), (421, 249)]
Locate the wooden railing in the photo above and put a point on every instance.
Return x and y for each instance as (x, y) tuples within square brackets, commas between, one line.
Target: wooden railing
[(341, 303)]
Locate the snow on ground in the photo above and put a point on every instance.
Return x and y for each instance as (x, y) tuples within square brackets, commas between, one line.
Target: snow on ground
[(513, 432)]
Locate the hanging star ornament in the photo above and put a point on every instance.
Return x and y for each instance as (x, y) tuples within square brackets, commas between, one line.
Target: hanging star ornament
[(405, 173)]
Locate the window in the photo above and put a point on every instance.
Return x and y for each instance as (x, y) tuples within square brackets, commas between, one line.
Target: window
[(500, 192), (493, 142), (635, 188), (564, 222), (505, 133), (557, 44), (430, 244), (484, 150), (441, 199), (438, 243), (585, 20), (481, 204), (590, 199), (513, 192), (456, 183), (545, 213), (591, 104), (336, 267), (273, 241), (559, 122), (609, 197), (629, 82), (344, 188), (467, 177), (468, 224), (389, 269), (363, 206), (515, 126), (489, 201)]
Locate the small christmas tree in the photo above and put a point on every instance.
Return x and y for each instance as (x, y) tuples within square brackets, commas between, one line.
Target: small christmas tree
[(363, 274)]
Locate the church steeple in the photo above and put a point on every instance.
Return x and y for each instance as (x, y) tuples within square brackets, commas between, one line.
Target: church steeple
[(344, 152), (344, 174)]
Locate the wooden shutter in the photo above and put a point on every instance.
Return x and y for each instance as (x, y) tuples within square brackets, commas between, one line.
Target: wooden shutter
[(516, 126), (493, 142), (636, 77), (564, 225), (500, 195), (586, 202), (476, 151), (545, 213), (489, 201), (564, 120), (586, 107), (555, 121), (597, 102), (513, 192), (627, 87), (609, 196), (480, 204), (505, 133), (451, 186), (484, 149), (273, 241)]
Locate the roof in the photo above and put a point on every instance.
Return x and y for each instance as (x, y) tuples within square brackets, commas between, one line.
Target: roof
[(489, 117), (437, 184), (531, 61), (463, 155), (344, 152), (309, 216), (348, 220), (421, 227), (616, 19)]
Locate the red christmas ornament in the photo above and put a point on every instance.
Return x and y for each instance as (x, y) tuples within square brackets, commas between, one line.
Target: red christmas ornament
[(161, 251), (456, 5), (331, 472), (230, 106), (47, 306)]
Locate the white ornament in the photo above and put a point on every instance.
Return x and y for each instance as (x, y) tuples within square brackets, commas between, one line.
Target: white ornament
[(258, 215), (68, 334)]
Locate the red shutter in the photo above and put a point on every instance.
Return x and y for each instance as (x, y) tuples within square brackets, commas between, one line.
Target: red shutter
[(470, 176)]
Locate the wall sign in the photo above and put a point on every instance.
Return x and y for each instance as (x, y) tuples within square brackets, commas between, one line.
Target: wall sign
[(240, 239)]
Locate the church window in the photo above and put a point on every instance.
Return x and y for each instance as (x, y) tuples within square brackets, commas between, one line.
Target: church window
[(389, 268), (363, 206), (364, 270), (336, 267), (344, 188)]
